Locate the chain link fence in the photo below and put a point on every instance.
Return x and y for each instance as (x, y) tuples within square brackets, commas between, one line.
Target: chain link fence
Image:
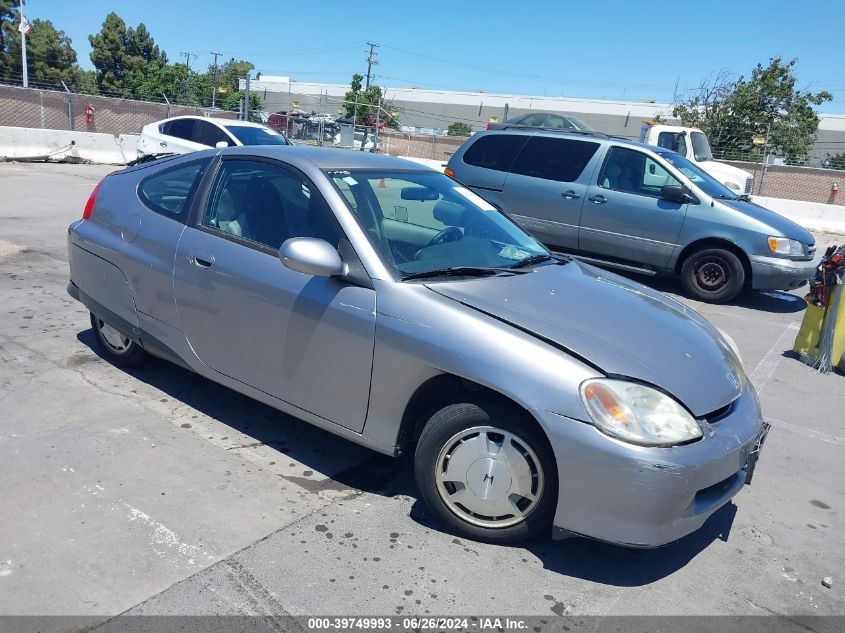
[(57, 110), (793, 179)]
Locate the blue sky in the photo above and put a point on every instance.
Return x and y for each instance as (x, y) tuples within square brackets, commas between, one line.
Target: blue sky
[(609, 49)]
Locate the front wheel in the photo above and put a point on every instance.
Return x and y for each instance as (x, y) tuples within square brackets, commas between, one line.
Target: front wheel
[(714, 275), (487, 472), (115, 346)]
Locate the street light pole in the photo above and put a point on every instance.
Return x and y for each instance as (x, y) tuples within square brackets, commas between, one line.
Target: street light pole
[(23, 29)]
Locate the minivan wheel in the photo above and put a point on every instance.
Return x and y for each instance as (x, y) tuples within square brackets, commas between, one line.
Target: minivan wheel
[(713, 274), (115, 346), (487, 472)]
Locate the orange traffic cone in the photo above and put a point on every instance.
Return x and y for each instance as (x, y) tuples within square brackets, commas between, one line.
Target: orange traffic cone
[(381, 184)]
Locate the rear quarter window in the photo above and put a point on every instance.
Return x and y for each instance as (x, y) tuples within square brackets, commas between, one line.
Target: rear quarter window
[(169, 192), (494, 151), (557, 159)]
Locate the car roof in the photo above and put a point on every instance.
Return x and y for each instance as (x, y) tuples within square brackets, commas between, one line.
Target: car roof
[(212, 119), (577, 135), (326, 158)]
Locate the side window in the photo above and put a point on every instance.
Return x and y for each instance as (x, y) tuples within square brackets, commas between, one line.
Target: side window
[(633, 172), (534, 120), (181, 128), (169, 193), (494, 151), (267, 204), (554, 158), (560, 122), (208, 134), (676, 141)]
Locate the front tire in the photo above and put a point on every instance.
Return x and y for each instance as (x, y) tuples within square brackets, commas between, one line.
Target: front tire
[(714, 275), (486, 470), (115, 346)]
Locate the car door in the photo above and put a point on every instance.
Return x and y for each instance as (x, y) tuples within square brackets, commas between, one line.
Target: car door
[(545, 189), (303, 339), (483, 163), (178, 137), (624, 217)]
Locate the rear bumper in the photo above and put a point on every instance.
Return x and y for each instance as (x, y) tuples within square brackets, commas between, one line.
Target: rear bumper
[(648, 497), (775, 273)]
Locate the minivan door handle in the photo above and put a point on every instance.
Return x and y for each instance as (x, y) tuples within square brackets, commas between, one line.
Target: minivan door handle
[(597, 199), (570, 195)]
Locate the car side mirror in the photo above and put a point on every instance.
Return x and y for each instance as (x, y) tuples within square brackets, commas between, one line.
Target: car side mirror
[(675, 193), (221, 144), (312, 256)]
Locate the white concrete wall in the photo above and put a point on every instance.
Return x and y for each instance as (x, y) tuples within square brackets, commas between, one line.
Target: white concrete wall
[(814, 216), (21, 142)]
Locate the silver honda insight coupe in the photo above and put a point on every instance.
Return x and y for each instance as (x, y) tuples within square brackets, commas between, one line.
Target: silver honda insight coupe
[(394, 307)]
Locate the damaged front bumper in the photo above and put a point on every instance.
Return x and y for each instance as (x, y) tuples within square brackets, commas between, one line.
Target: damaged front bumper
[(649, 496)]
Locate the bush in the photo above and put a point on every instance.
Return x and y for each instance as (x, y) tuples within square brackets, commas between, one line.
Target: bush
[(459, 128)]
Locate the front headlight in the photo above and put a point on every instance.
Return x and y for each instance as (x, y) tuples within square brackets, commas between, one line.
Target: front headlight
[(785, 246), (637, 414), (731, 185)]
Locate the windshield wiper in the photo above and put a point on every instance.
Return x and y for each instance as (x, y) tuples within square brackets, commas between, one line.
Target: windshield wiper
[(531, 260), (460, 271)]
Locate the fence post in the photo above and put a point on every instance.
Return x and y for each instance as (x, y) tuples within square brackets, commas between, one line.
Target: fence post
[(167, 101), (69, 108)]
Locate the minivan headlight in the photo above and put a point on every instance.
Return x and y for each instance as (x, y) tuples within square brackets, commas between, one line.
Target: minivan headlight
[(785, 246), (637, 414)]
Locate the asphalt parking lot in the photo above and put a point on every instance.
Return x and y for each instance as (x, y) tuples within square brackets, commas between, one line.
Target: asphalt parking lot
[(154, 491)]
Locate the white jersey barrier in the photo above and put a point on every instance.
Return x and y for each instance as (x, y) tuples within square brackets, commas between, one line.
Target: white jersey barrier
[(21, 143)]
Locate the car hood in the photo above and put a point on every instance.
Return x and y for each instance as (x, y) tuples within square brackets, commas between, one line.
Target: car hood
[(616, 325), (714, 166), (778, 223)]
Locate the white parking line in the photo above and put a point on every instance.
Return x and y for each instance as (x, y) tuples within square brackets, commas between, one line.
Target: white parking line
[(765, 369)]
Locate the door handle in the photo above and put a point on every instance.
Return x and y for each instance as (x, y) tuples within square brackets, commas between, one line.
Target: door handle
[(570, 195), (597, 199), (162, 144), (202, 259)]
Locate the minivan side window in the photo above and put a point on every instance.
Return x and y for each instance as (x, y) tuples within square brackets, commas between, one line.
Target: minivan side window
[(169, 193), (633, 172), (559, 159), (494, 151)]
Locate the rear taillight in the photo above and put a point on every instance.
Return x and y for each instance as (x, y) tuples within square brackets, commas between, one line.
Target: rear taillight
[(89, 206), (488, 127)]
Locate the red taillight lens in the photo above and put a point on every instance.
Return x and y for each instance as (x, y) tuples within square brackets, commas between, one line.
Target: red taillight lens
[(487, 127), (89, 206)]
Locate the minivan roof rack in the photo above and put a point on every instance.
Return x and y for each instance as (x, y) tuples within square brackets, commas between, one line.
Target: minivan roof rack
[(556, 130)]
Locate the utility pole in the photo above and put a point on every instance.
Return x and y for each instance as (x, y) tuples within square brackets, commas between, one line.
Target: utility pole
[(214, 90), (24, 28), (187, 55), (371, 61), (246, 98)]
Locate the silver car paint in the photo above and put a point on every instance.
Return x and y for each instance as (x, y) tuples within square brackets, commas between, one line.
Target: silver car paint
[(319, 338), (637, 228)]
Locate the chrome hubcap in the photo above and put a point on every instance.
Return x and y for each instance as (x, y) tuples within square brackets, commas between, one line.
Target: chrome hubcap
[(711, 274), (116, 341), (489, 477)]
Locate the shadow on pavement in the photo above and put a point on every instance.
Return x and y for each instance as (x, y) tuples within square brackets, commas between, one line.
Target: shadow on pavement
[(775, 301), (387, 476)]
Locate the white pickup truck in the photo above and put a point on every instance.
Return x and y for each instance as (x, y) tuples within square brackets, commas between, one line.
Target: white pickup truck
[(693, 144)]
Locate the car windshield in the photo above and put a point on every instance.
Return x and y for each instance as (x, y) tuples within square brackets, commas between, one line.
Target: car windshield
[(580, 125), (700, 178), (700, 146), (423, 222), (249, 135)]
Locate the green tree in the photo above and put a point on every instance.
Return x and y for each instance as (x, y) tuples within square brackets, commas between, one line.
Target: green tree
[(459, 128), (124, 57), (732, 111), (232, 102), (362, 103), (837, 161), (229, 76)]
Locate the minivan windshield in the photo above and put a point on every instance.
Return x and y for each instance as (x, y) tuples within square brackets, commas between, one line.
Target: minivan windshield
[(425, 223), (249, 135), (700, 146), (699, 177)]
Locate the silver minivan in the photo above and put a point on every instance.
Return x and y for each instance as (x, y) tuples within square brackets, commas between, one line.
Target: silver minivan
[(635, 207)]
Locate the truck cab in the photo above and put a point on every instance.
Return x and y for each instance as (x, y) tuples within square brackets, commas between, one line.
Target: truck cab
[(692, 144)]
